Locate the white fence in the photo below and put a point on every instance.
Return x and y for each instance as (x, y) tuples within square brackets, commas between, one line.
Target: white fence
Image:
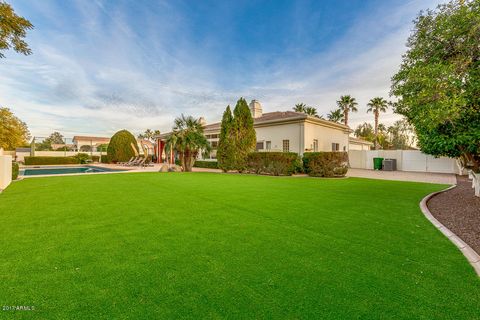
[(407, 160), (20, 156)]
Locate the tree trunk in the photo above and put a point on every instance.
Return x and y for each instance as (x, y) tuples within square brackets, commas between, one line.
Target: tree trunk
[(376, 131), (345, 116)]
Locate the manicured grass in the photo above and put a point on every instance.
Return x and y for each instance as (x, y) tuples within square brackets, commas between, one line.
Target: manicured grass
[(152, 245)]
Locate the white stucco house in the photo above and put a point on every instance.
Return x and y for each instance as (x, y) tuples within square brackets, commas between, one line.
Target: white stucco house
[(287, 131)]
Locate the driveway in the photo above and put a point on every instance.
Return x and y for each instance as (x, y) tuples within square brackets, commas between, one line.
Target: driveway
[(430, 177)]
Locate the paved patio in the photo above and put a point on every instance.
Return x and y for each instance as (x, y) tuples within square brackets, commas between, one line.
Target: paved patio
[(442, 178)]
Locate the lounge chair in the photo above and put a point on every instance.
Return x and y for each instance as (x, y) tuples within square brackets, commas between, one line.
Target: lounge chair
[(122, 163), (134, 162)]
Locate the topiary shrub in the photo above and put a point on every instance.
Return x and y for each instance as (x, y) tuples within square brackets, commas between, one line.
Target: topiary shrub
[(15, 170), (50, 160), (275, 163), (121, 146), (206, 164), (325, 164)]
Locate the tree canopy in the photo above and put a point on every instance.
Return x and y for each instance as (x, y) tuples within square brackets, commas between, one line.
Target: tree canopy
[(303, 108), (122, 147), (13, 30), (13, 131), (347, 104), (244, 134), (335, 115), (438, 84)]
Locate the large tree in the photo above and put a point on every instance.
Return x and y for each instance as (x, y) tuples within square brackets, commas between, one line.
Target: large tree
[(54, 138), (13, 30), (377, 105), (13, 131), (347, 104), (244, 135), (226, 147), (365, 131), (438, 84), (188, 140)]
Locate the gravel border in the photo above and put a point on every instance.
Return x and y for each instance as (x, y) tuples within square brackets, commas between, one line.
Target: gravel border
[(472, 257)]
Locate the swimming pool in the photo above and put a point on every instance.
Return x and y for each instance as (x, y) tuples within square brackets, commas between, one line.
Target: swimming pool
[(36, 171)]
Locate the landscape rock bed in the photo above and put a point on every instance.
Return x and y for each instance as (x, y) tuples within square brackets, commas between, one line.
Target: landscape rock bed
[(459, 210)]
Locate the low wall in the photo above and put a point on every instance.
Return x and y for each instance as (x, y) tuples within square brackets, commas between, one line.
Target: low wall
[(5, 171), (20, 156), (407, 160)]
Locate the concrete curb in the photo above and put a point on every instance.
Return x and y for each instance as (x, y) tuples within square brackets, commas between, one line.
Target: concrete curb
[(472, 257)]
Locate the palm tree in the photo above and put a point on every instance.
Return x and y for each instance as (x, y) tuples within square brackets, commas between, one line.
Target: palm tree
[(335, 115), (311, 111), (300, 107), (187, 139), (347, 104), (377, 105)]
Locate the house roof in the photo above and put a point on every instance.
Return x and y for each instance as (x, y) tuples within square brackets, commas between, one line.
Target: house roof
[(89, 138), (360, 141), (278, 116)]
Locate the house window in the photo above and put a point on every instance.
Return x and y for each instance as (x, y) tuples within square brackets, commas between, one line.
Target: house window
[(269, 145), (315, 145), (286, 145), (259, 146), (335, 146)]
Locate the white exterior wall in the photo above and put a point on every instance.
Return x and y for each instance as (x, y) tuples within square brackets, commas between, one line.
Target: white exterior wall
[(276, 134), (357, 146), (325, 136), (407, 160), (5, 171)]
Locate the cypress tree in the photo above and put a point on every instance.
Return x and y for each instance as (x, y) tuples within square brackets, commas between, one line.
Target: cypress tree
[(226, 148), (244, 135)]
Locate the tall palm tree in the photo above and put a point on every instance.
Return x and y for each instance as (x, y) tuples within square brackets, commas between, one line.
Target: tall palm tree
[(347, 104), (300, 107), (377, 105), (187, 139), (335, 115)]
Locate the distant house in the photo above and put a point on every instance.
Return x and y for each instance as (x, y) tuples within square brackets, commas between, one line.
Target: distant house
[(286, 131)]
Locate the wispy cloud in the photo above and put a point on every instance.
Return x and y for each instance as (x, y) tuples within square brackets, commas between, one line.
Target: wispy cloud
[(101, 66)]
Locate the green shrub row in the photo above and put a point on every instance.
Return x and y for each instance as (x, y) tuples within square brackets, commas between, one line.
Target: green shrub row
[(275, 163), (51, 160), (206, 164), (15, 170), (325, 164), (104, 158)]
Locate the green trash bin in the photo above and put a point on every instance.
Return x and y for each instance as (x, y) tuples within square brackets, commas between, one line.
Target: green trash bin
[(377, 163)]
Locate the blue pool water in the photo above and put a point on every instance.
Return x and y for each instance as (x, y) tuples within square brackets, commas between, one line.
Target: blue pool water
[(64, 170)]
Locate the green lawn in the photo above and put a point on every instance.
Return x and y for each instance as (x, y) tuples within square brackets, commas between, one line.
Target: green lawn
[(151, 245)]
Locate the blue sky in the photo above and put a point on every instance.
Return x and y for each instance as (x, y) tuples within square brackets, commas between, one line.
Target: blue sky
[(100, 66)]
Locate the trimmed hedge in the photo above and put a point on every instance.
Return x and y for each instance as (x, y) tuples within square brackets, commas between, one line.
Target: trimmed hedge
[(275, 163), (95, 158), (82, 158), (51, 160), (206, 164), (120, 146), (104, 158), (15, 170), (325, 164)]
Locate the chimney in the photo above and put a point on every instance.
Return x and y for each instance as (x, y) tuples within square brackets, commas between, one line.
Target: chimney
[(202, 121), (255, 109)]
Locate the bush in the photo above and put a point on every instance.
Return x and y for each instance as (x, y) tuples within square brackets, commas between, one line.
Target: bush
[(50, 160), (206, 164), (15, 170), (276, 163), (120, 147), (82, 158), (104, 158), (95, 158), (325, 164)]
